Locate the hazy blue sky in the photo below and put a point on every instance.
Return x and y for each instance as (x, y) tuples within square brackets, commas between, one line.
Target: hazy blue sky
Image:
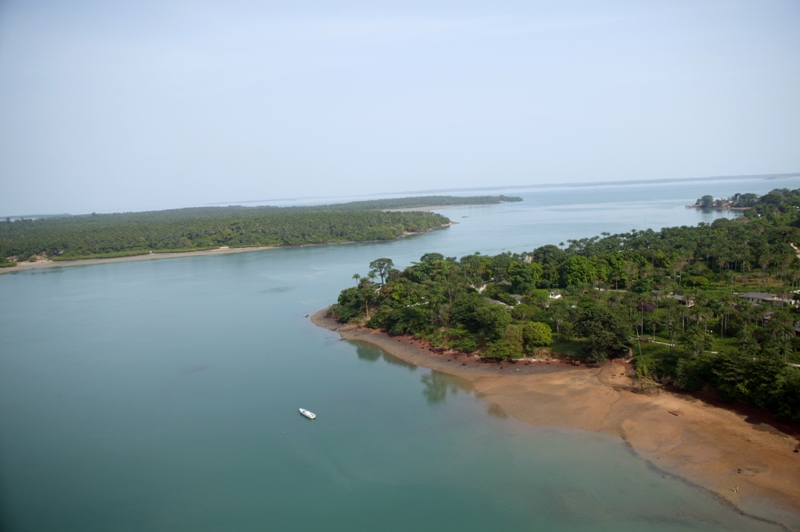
[(108, 106)]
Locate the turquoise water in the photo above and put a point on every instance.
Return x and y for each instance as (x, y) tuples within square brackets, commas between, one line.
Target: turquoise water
[(163, 395)]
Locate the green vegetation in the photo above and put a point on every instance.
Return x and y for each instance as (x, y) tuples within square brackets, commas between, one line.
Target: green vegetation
[(181, 230), (671, 300), (737, 201)]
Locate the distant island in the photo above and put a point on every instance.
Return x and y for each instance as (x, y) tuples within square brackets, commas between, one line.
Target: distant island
[(738, 202), (103, 236)]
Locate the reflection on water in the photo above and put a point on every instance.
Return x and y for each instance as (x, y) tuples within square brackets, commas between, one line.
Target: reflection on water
[(438, 384), (367, 352), (394, 361), (372, 353), (276, 290), (709, 215), (43, 271), (496, 411), (435, 384)]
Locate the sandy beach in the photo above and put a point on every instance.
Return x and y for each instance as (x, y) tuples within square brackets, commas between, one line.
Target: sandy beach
[(736, 453), (25, 266)]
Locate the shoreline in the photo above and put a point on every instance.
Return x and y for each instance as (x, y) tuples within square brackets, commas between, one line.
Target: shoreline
[(26, 266), (749, 465)]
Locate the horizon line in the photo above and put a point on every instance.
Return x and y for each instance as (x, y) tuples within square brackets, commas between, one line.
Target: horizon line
[(451, 190), (515, 187)]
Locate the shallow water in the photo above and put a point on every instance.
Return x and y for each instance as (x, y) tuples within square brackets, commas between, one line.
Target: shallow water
[(163, 395)]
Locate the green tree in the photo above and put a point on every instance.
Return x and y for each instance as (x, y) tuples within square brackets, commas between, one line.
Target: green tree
[(605, 333), (381, 267), (780, 332), (523, 277), (536, 334), (460, 339), (514, 337), (480, 317), (353, 303), (578, 270), (508, 346), (492, 320), (558, 313), (694, 372), (706, 201), (729, 375), (696, 340)]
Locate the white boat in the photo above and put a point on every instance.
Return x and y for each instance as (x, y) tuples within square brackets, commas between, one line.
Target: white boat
[(308, 414)]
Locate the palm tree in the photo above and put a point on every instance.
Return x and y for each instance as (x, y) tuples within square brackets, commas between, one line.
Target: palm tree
[(696, 340), (558, 313), (760, 313), (764, 261), (701, 312), (671, 321), (653, 320), (748, 344), (726, 304), (683, 314), (781, 331)]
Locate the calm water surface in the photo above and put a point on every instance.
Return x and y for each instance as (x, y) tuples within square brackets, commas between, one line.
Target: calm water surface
[(163, 395)]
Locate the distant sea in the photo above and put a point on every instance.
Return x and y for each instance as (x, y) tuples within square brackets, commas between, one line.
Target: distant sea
[(163, 395)]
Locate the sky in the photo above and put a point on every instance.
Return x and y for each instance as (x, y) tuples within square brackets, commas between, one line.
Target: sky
[(128, 106)]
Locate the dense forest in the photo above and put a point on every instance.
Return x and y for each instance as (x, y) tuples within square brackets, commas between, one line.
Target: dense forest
[(115, 235), (709, 307)]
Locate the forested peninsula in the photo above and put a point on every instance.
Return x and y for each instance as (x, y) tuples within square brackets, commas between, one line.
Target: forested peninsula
[(710, 307), (196, 229)]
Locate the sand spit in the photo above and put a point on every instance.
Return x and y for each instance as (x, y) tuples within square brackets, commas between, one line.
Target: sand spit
[(742, 460)]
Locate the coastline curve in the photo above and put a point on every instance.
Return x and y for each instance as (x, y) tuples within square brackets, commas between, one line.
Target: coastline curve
[(752, 467)]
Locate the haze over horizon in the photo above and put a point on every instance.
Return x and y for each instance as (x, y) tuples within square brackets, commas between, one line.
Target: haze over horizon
[(151, 105)]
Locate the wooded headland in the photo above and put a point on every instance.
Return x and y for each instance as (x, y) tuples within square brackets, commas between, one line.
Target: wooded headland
[(712, 307), (204, 228)]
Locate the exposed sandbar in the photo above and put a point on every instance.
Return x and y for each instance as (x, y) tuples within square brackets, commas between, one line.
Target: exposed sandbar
[(740, 459)]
